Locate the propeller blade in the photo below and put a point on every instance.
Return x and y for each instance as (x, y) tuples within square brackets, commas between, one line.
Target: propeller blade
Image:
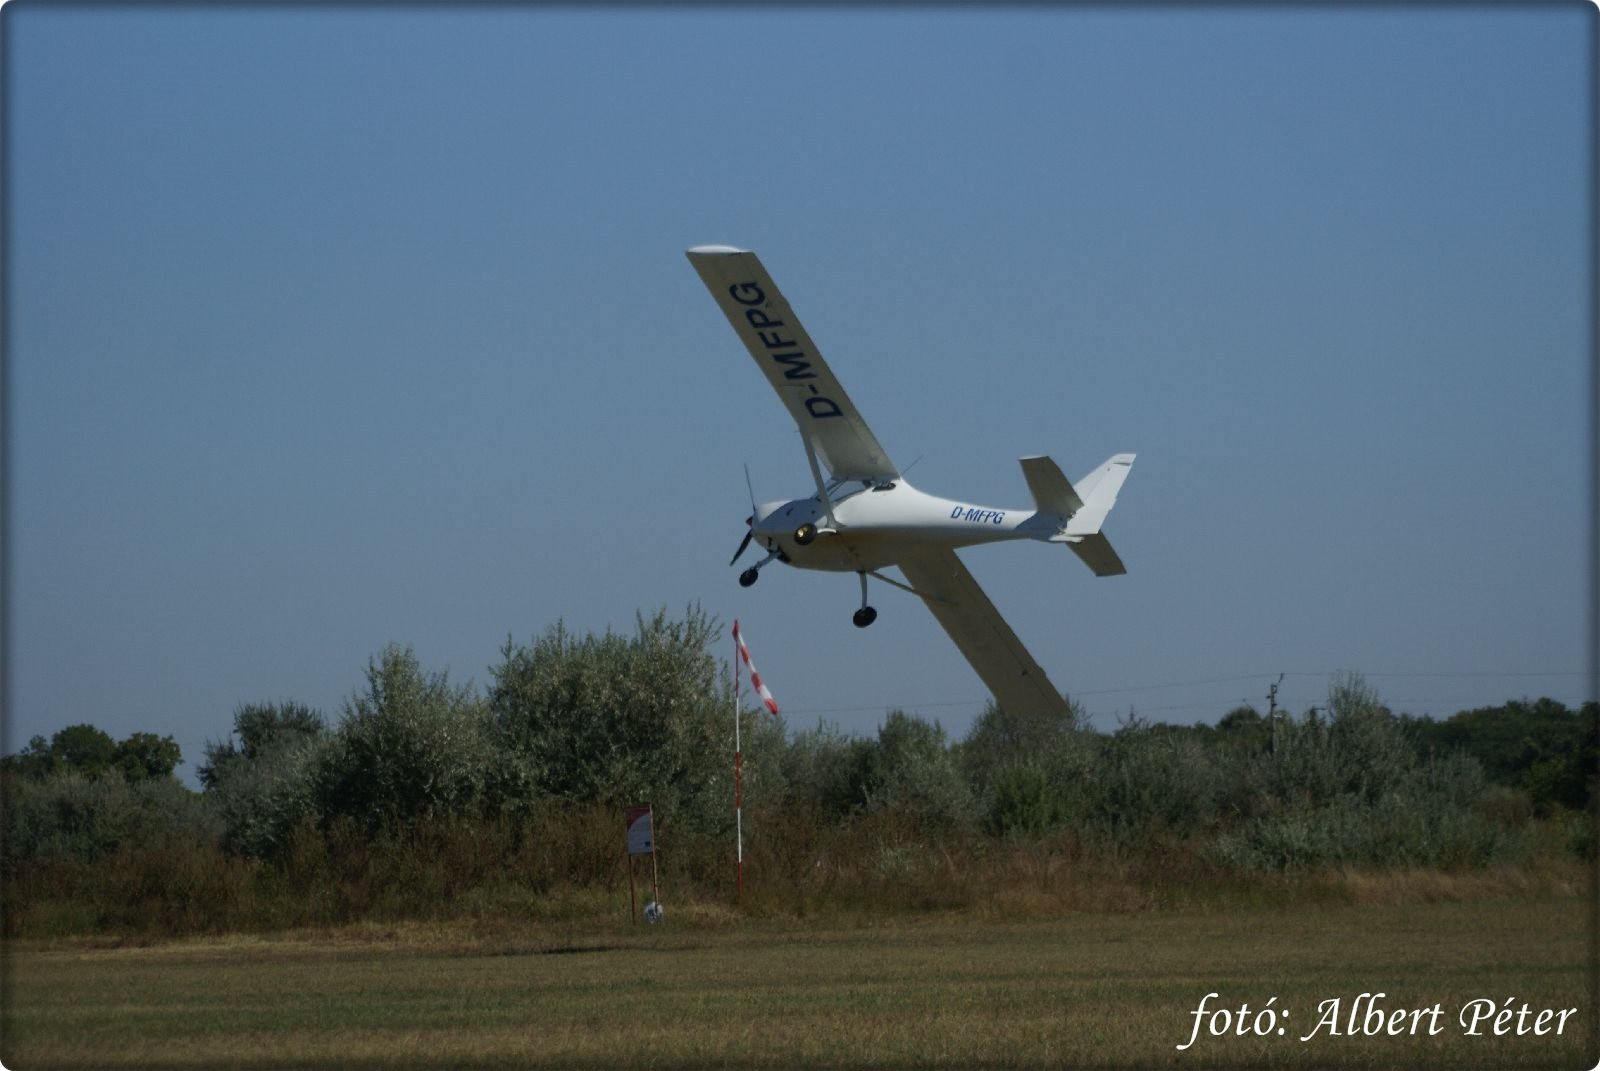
[(749, 521), (745, 542)]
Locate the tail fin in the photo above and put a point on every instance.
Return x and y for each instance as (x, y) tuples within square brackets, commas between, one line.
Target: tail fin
[(1079, 513), (1099, 491)]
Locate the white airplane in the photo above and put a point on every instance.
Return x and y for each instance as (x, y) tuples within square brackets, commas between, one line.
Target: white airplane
[(866, 517)]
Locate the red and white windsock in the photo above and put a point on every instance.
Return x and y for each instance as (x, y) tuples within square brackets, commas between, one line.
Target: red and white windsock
[(755, 678)]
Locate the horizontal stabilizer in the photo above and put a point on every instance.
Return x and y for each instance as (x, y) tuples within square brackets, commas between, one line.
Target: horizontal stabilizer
[(1096, 552)]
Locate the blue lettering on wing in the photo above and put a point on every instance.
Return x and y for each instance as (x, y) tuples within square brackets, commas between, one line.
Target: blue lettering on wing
[(795, 365), (974, 515), (785, 352)]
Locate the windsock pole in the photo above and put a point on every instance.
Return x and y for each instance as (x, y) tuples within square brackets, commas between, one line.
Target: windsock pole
[(738, 774)]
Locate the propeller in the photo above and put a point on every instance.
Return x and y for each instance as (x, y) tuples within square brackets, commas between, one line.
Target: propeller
[(749, 534), (750, 521)]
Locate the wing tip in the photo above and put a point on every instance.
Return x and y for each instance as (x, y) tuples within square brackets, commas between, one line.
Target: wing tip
[(715, 250)]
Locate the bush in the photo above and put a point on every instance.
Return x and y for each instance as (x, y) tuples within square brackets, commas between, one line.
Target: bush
[(86, 817), (1396, 832), (824, 770), (410, 747), (1351, 791), (620, 720), (911, 771), (1149, 785)]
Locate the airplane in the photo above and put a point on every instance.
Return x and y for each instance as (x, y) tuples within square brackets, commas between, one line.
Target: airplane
[(866, 518)]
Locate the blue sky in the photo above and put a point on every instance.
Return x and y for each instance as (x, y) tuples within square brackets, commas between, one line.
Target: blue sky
[(335, 328)]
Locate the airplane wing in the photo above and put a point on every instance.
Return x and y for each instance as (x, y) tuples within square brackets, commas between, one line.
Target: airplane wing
[(998, 657), (784, 352)]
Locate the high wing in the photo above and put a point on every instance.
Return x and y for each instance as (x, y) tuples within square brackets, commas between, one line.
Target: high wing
[(784, 352), (998, 657)]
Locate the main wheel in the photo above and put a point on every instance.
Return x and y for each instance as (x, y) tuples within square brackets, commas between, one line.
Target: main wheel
[(865, 616), (805, 534), (748, 577)]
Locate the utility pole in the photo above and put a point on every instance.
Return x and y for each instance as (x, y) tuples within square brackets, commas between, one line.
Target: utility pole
[(1272, 710)]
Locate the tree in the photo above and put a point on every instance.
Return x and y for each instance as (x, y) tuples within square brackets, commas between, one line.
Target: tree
[(1538, 746), (146, 757), (613, 719), (263, 729), (87, 750), (264, 785), (1000, 737), (825, 768), (1024, 801), (410, 746), (1015, 765), (911, 771), (83, 748), (35, 762)]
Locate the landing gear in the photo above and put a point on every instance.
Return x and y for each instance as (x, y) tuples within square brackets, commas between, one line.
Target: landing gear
[(805, 534), (866, 615), (752, 574)]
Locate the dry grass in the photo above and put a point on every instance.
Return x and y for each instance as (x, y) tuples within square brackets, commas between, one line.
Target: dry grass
[(711, 989)]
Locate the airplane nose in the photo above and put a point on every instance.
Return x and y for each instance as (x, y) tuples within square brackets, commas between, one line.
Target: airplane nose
[(763, 514)]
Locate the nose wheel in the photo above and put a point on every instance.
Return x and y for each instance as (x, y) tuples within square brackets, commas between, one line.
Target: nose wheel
[(866, 615), (752, 574)]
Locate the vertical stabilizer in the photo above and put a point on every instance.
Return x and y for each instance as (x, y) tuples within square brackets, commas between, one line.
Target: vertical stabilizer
[(1099, 492)]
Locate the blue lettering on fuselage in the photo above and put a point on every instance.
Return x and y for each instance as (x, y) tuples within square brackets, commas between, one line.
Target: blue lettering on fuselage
[(978, 516), (784, 351)]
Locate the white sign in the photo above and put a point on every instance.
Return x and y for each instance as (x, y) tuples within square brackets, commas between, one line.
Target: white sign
[(641, 835)]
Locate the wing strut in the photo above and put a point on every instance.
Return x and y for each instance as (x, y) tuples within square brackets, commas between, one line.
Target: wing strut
[(892, 582), (816, 474)]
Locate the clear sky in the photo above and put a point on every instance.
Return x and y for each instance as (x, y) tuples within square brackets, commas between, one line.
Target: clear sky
[(330, 328)]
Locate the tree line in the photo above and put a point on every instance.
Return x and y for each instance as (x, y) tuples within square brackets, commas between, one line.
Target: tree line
[(428, 797)]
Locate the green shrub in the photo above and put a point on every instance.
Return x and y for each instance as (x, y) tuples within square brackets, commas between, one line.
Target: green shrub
[(410, 747), (621, 720), (85, 817)]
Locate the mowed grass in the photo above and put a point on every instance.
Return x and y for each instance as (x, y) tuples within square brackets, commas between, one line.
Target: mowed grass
[(716, 991)]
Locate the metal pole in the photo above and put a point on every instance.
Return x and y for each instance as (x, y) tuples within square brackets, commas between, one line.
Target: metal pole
[(738, 776), (655, 882), (633, 898)]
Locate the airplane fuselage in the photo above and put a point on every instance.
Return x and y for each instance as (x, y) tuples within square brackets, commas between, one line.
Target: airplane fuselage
[(873, 524)]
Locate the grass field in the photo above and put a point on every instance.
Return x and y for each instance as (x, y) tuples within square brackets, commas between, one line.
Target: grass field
[(716, 991)]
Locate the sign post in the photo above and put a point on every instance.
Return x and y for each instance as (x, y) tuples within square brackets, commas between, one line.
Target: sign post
[(640, 823)]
